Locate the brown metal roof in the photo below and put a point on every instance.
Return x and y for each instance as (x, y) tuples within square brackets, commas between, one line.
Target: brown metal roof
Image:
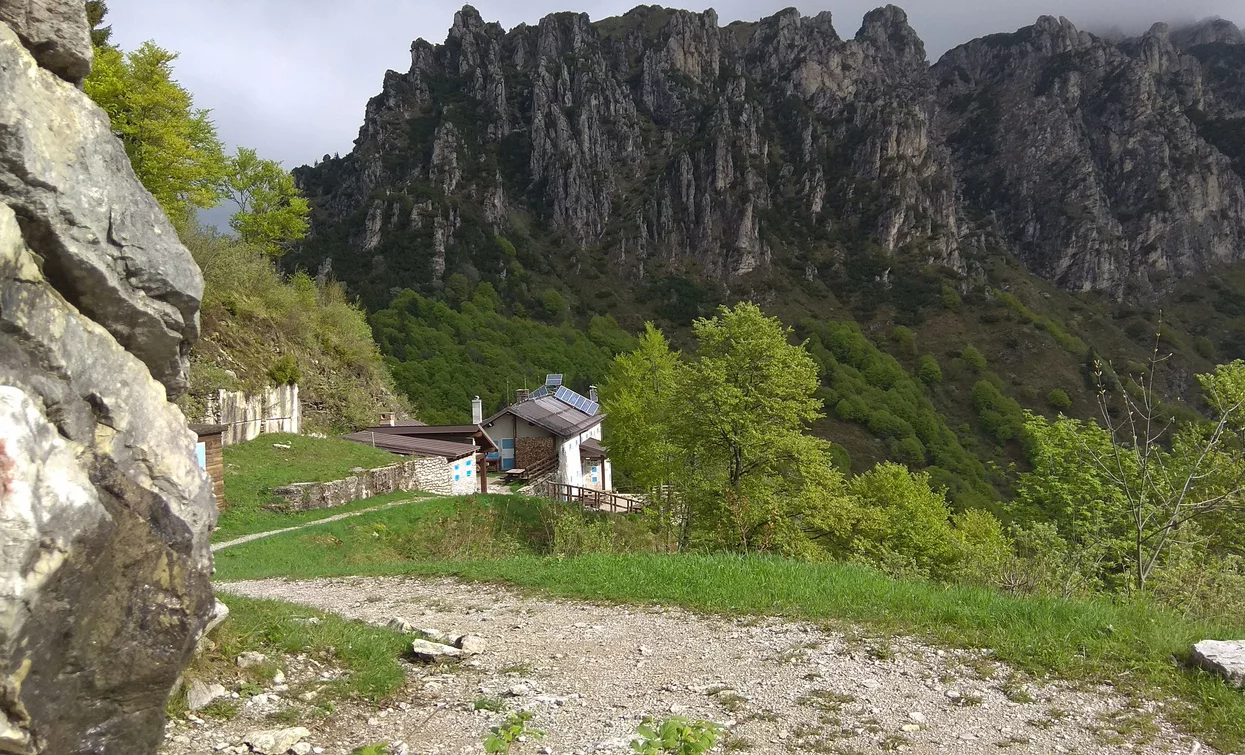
[(558, 418), (412, 446), (400, 429), (451, 433)]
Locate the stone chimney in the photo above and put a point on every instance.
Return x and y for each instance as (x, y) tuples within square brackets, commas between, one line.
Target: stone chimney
[(592, 393), (477, 411), (520, 395), (388, 418)]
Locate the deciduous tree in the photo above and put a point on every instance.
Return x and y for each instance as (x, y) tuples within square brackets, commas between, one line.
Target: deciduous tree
[(271, 210), (172, 145)]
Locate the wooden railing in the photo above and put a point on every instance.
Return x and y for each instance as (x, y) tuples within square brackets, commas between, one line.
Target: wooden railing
[(539, 468), (596, 500)]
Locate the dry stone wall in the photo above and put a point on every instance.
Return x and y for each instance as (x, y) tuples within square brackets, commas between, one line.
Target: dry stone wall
[(430, 475), (104, 513)]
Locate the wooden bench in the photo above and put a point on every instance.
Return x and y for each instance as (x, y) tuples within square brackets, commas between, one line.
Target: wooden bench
[(510, 475)]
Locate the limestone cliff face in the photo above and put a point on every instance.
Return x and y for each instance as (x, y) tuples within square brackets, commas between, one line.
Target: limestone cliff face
[(104, 513), (661, 140), (1086, 157), (658, 139)]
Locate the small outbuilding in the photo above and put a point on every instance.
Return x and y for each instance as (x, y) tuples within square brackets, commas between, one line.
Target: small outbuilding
[(209, 452)]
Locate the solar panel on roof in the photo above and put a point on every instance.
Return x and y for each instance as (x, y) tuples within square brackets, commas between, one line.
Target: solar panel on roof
[(540, 392), (553, 380), (580, 402)]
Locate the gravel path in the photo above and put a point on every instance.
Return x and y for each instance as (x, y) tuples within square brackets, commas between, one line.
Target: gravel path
[(590, 673)]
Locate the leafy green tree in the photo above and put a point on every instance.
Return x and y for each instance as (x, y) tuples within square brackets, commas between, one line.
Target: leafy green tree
[(903, 524), (747, 387), (1058, 399), (1131, 492), (738, 417), (1000, 415), (1066, 488), (271, 211), (553, 303), (928, 371), (639, 397), (457, 289), (950, 298), (973, 358), (172, 145), (904, 339)]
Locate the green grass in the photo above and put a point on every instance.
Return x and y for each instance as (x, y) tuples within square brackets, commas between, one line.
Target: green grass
[(1139, 648), (252, 469), (370, 655)]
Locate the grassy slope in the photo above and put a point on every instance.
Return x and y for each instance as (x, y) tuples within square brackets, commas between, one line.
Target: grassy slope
[(369, 655), (1138, 648), (254, 468)]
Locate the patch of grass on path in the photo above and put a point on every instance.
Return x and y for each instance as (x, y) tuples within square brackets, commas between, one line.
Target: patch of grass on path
[(1140, 649), (252, 469), (370, 655)]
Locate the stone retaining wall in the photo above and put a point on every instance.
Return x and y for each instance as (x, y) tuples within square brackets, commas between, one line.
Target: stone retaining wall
[(430, 475)]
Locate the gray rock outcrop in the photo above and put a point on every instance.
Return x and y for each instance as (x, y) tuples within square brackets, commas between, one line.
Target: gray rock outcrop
[(103, 241), (1223, 657), (55, 33), (104, 513)]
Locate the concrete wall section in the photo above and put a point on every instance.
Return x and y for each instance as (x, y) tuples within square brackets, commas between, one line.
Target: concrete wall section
[(246, 416)]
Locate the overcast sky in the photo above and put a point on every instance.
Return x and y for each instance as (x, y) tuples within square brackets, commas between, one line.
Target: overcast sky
[(291, 77)]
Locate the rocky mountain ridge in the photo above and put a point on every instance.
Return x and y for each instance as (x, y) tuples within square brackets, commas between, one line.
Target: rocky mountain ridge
[(661, 142)]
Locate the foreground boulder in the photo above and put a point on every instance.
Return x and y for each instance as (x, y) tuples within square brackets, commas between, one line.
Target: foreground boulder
[(1225, 658), (103, 241), (104, 513)]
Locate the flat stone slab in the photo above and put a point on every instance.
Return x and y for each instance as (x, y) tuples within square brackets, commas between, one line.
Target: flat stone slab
[(1223, 657)]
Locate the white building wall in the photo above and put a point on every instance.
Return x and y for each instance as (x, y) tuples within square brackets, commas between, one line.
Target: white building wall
[(463, 479), (570, 471), (247, 416), (571, 468)]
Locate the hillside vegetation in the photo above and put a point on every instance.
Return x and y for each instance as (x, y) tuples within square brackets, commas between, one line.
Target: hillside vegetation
[(441, 355), (262, 327)]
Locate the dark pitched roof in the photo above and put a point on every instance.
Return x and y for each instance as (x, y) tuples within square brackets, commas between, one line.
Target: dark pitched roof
[(548, 412), (593, 449), (424, 429), (452, 433), (412, 446)]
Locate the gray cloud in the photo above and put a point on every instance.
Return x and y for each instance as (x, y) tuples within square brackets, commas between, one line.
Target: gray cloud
[(291, 77)]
